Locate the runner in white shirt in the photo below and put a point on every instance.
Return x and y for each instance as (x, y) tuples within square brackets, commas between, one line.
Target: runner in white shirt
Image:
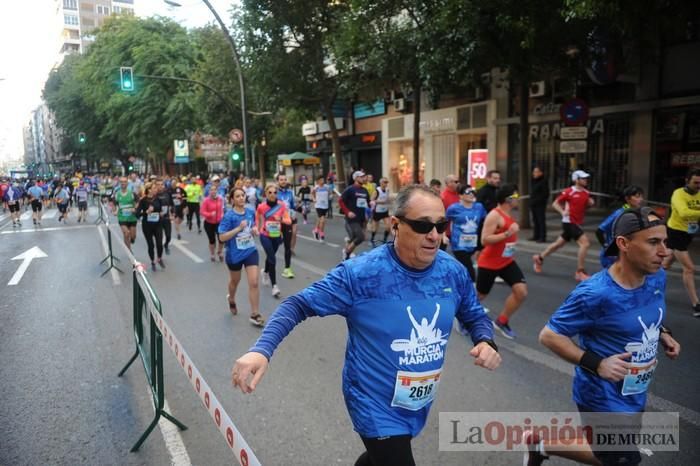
[(380, 211), (321, 194)]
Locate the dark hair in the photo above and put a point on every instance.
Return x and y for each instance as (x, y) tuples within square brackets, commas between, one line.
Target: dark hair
[(505, 191), (491, 172), (631, 190), (693, 172), (463, 189), (435, 182), (406, 194)]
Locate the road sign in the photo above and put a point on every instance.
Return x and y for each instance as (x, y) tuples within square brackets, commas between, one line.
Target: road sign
[(574, 112), (574, 132), (235, 135), (573, 147), (477, 166)]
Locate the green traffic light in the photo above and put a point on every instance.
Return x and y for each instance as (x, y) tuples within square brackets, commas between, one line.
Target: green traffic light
[(127, 84), (236, 157)]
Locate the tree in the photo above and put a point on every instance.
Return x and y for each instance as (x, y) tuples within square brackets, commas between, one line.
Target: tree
[(287, 54)]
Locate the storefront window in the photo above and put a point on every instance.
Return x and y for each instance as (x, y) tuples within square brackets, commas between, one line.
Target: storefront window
[(677, 150), (401, 163)]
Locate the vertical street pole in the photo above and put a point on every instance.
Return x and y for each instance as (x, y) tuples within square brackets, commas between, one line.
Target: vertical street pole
[(240, 82)]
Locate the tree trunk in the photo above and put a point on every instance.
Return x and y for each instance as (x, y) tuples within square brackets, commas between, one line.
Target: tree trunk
[(416, 132), (337, 150), (524, 178)]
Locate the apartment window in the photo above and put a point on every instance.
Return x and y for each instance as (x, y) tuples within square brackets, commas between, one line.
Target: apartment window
[(70, 19), (102, 10), (116, 9), (70, 4)]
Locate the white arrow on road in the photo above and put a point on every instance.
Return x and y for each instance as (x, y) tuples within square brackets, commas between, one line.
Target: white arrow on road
[(180, 244), (26, 257)]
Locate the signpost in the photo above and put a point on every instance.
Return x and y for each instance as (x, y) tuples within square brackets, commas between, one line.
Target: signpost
[(477, 166)]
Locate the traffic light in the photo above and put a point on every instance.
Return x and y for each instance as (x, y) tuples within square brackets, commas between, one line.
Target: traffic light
[(81, 137), (127, 78)]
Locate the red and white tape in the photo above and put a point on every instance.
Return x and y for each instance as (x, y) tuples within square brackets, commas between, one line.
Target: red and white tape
[(244, 454)]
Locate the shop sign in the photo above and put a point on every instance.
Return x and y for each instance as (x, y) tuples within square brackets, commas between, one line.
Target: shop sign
[(477, 166), (440, 124), (368, 139), (309, 129), (553, 130), (574, 112), (685, 159), (573, 147), (544, 109), (181, 151)]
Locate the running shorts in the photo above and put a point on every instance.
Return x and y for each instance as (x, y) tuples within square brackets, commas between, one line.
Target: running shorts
[(678, 240), (570, 231), (252, 259), (511, 274)]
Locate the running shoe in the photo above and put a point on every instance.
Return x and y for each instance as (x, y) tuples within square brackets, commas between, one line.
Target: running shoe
[(532, 456), (288, 273), (257, 320), (231, 305), (316, 235), (265, 278), (373, 243), (505, 330), (696, 310), (537, 263), (179, 237), (344, 254), (161, 263), (276, 291), (581, 276), (199, 232), (167, 250), (153, 266)]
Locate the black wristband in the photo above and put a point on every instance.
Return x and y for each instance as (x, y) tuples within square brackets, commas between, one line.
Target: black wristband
[(664, 329), (491, 343), (590, 361)]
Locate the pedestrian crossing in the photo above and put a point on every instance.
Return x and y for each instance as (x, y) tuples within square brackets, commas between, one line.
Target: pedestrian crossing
[(51, 213)]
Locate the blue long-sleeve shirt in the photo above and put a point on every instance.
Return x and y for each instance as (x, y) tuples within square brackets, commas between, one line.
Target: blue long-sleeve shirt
[(399, 320)]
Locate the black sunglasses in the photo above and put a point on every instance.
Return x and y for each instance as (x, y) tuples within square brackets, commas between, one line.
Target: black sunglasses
[(424, 227)]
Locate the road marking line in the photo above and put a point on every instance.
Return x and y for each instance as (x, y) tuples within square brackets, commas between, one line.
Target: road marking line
[(115, 276), (40, 229), (308, 238), (26, 215), (564, 367), (3, 217), (171, 435), (180, 244), (50, 213), (310, 268)]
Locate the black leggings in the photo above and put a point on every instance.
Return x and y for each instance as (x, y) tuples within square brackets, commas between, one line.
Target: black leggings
[(270, 245), (211, 229), (192, 209), (465, 258), (387, 451), (167, 230), (287, 238), (153, 232)]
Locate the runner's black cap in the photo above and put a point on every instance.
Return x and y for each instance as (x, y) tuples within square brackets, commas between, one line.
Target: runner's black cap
[(629, 222)]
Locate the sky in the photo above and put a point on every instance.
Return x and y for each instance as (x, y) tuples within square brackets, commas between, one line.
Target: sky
[(24, 69)]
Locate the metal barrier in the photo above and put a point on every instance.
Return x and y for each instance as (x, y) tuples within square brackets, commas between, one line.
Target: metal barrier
[(104, 218), (149, 345)]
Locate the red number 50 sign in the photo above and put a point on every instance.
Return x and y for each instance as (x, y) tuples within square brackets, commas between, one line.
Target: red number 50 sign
[(477, 166)]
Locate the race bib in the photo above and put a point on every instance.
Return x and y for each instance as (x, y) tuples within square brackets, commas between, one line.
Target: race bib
[(245, 240), (638, 378), (126, 211), (415, 390), (467, 241), (273, 229), (165, 209), (692, 227), (381, 208), (362, 202), (509, 250), (177, 202), (108, 192), (12, 202), (306, 197), (153, 217)]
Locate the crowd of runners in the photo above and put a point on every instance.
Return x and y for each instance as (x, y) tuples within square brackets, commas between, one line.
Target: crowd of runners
[(406, 276)]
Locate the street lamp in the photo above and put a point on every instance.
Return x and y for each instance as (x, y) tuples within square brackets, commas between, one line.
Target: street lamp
[(241, 82)]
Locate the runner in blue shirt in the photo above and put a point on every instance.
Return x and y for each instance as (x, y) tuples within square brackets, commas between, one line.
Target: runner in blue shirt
[(35, 195), (353, 203), (399, 301), (618, 316), (632, 197), (467, 217)]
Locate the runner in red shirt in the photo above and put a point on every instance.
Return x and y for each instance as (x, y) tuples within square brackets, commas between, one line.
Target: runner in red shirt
[(499, 237), (571, 204), (449, 196)]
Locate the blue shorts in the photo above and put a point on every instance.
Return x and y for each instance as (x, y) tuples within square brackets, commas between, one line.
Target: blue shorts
[(250, 260)]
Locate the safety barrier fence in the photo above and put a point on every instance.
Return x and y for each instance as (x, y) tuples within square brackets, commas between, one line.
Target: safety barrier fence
[(103, 217), (150, 331)]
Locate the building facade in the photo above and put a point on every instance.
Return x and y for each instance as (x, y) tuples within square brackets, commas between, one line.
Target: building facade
[(80, 17)]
